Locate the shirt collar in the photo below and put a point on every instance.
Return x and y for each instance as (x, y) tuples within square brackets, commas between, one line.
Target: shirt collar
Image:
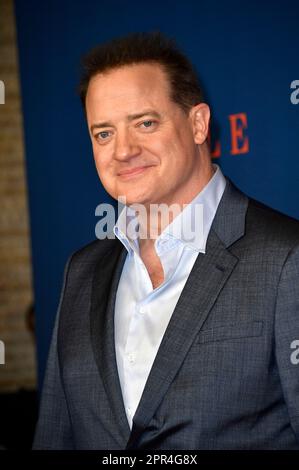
[(126, 217), (191, 226)]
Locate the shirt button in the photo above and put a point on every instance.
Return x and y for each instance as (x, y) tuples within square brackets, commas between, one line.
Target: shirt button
[(141, 309), (131, 358)]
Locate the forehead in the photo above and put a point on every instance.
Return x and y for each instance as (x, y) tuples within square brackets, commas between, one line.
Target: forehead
[(128, 87)]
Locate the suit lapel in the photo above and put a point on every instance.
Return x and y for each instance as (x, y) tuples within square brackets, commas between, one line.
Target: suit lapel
[(104, 286), (208, 276)]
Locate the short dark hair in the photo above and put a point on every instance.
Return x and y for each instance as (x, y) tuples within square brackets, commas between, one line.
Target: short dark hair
[(137, 48)]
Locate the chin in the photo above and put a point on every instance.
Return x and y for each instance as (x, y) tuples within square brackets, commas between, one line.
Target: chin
[(135, 199)]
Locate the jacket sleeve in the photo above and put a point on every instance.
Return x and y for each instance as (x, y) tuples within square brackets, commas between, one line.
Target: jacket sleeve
[(287, 335), (53, 430)]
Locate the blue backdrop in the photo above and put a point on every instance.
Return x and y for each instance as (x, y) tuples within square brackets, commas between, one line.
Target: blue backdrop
[(247, 56)]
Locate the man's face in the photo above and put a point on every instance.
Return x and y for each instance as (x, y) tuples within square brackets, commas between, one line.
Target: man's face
[(143, 142)]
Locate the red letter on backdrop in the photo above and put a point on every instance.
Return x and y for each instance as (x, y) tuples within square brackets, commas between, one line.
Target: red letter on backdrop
[(240, 143), (216, 151)]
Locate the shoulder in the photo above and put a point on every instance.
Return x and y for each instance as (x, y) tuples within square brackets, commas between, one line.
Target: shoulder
[(92, 250), (86, 258), (275, 227), (245, 223)]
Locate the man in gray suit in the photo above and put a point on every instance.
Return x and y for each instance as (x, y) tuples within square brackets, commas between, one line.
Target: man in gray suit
[(171, 341)]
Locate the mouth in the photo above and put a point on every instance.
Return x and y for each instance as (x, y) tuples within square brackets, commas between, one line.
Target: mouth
[(127, 174)]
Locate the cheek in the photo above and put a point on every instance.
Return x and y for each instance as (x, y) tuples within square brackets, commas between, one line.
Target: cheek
[(181, 150), (172, 156), (99, 165), (106, 172), (101, 160)]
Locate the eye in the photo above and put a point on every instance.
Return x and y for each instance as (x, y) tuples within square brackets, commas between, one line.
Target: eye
[(103, 135), (149, 124)]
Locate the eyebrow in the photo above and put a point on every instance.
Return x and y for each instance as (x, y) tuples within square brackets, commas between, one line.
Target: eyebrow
[(130, 117)]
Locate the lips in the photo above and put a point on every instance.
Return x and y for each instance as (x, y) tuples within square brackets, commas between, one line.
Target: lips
[(132, 171)]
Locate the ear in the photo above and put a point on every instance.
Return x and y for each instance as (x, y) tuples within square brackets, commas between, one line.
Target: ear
[(200, 118)]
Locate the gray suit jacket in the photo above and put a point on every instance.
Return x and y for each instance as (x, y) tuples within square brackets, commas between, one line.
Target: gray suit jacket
[(223, 377)]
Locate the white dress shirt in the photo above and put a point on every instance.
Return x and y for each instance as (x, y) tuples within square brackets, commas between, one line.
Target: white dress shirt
[(143, 313)]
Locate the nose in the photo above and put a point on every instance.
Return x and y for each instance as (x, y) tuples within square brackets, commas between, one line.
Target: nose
[(125, 146)]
